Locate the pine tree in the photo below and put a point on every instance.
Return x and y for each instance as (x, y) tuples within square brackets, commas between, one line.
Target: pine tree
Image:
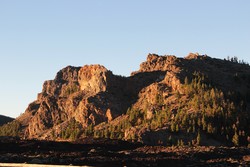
[(235, 139), (182, 143), (53, 134), (112, 135), (172, 127), (186, 82), (177, 128), (198, 139), (106, 133), (170, 140)]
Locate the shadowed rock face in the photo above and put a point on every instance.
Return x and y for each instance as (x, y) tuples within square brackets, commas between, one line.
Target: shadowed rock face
[(93, 95), (86, 94), (90, 95)]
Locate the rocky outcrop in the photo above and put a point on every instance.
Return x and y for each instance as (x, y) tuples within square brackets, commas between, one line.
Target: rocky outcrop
[(159, 63), (89, 95), (93, 96), (93, 78)]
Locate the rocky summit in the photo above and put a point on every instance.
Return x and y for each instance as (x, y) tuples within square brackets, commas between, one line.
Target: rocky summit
[(196, 100)]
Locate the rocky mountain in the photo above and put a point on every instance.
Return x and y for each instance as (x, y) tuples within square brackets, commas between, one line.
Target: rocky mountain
[(4, 120), (196, 100)]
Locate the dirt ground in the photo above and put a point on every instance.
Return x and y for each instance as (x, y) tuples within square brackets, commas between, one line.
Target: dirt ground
[(118, 153)]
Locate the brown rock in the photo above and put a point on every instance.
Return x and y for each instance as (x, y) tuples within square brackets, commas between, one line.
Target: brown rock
[(93, 95), (246, 158), (93, 78)]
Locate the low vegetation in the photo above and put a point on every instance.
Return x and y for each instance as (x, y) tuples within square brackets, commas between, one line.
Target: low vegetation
[(205, 112), (170, 101), (10, 129)]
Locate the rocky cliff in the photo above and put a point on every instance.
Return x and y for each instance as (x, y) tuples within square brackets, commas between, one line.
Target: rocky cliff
[(88, 95), (165, 101)]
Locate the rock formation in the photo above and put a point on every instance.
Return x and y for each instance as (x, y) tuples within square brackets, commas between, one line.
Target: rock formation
[(94, 101)]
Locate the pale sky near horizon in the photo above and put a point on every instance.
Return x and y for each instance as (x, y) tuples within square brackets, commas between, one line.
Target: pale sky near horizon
[(38, 38)]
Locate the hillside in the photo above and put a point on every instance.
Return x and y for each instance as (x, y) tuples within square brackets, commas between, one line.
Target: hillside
[(196, 100), (4, 120)]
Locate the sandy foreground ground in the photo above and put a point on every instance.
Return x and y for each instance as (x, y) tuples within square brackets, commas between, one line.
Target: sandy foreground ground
[(34, 165)]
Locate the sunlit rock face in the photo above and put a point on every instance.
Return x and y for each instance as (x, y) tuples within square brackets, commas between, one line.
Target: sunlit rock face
[(93, 96)]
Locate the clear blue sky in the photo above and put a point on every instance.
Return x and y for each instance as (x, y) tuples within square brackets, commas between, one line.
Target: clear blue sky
[(38, 38)]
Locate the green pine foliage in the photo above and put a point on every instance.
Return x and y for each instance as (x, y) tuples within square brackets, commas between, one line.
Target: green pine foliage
[(212, 112), (10, 129), (72, 132), (235, 139), (71, 89), (206, 110)]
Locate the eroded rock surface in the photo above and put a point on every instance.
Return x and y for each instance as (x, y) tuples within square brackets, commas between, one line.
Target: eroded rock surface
[(93, 96)]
